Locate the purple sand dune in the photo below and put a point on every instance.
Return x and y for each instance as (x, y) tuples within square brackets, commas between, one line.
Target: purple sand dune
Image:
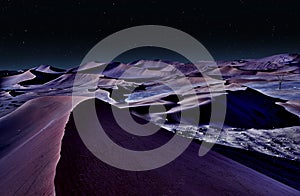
[(36, 104), (30, 139), (80, 172), (29, 162)]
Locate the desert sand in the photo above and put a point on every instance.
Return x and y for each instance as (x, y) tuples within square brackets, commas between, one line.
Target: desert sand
[(257, 151), (32, 162)]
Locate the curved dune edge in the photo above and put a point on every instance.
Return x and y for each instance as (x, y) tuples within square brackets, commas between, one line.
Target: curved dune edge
[(292, 106), (28, 164), (29, 159)]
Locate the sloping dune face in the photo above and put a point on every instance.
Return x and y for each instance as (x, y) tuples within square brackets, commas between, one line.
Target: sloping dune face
[(30, 146), (260, 96), (30, 141), (80, 172)]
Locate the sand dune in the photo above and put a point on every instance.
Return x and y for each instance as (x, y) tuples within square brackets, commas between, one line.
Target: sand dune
[(29, 164), (16, 79), (49, 69), (80, 172), (261, 120), (30, 140)]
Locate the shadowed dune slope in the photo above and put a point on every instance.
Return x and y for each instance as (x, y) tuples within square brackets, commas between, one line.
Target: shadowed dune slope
[(244, 109), (80, 172)]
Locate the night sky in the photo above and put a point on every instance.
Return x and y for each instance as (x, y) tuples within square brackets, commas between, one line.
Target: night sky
[(60, 33)]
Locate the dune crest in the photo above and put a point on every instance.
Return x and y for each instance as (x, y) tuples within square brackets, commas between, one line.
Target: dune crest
[(262, 117)]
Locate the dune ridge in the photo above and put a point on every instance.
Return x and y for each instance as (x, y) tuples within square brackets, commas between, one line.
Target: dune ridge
[(262, 119), (30, 145)]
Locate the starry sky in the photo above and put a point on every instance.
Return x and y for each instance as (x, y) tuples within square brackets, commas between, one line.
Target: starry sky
[(60, 33)]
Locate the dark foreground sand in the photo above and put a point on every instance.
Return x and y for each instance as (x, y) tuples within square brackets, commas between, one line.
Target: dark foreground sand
[(80, 172)]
